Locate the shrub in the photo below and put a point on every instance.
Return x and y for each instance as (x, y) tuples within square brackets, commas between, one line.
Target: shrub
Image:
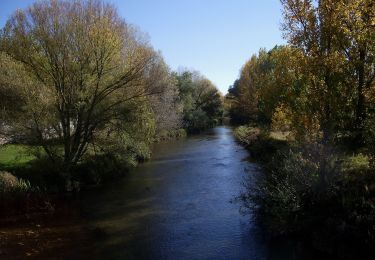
[(196, 121), (44, 174), (313, 189), (292, 182), (261, 146), (247, 135), (18, 196), (100, 168), (9, 183), (355, 163)]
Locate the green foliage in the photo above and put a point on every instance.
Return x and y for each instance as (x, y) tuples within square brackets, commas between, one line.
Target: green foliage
[(281, 120), (98, 169), (96, 78), (171, 135), (247, 135), (316, 94), (356, 163), (320, 85), (14, 155), (294, 181), (201, 101), (312, 189), (196, 120)]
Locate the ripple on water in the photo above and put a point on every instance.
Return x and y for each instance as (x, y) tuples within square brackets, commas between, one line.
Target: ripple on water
[(186, 212)]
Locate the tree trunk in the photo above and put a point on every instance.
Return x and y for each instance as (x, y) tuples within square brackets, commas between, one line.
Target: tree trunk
[(360, 106)]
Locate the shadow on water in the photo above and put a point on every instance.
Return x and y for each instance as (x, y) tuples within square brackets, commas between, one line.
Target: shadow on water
[(177, 205)]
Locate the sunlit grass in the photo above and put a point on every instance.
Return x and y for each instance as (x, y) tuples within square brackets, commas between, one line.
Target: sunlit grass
[(280, 135), (15, 155)]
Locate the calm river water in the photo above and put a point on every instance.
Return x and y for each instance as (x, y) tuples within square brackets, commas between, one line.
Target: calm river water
[(178, 206)]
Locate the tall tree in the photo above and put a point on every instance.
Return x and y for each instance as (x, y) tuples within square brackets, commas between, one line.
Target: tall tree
[(337, 38), (355, 21), (310, 26), (86, 66), (201, 101)]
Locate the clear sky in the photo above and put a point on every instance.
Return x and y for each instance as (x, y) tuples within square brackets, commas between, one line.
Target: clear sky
[(215, 37)]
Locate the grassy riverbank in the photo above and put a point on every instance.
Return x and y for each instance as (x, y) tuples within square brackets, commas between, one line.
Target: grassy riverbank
[(15, 155), (317, 192), (31, 183), (31, 163)]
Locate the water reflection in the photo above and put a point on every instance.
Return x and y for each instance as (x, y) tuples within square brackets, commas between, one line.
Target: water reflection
[(178, 205)]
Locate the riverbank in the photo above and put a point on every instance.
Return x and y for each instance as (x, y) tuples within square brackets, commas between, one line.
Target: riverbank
[(30, 182), (316, 192)]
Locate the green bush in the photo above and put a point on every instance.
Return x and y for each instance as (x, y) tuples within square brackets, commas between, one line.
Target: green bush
[(101, 168), (261, 146), (293, 181), (355, 163), (196, 120), (313, 189)]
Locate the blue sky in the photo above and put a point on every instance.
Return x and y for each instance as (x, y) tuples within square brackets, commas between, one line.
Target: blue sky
[(215, 37)]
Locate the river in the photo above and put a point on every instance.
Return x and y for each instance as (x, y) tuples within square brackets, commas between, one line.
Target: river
[(178, 205)]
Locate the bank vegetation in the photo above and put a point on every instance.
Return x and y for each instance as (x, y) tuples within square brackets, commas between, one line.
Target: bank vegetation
[(308, 112)]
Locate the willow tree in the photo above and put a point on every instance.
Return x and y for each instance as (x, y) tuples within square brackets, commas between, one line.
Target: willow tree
[(85, 65)]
